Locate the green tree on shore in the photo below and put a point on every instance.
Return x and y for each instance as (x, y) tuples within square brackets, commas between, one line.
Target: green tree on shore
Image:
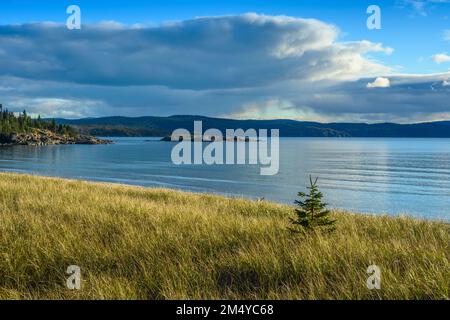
[(311, 212)]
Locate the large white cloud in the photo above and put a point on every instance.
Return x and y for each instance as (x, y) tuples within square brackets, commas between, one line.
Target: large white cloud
[(204, 53), (245, 66)]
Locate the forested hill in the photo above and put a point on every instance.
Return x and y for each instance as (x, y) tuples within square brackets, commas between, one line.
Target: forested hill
[(21, 129), (162, 126), (10, 123)]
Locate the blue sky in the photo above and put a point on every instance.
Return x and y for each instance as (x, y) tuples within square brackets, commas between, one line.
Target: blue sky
[(245, 83)]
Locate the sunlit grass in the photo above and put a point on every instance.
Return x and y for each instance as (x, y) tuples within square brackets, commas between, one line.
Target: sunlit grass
[(137, 243)]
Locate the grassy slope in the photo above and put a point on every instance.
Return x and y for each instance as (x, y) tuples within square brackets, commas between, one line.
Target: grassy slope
[(152, 243)]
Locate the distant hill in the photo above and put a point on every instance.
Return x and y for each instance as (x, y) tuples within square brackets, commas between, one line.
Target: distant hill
[(162, 126)]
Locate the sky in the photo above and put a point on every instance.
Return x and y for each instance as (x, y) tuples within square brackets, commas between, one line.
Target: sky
[(304, 60)]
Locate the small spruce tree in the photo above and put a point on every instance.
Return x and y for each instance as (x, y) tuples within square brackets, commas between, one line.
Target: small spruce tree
[(311, 212)]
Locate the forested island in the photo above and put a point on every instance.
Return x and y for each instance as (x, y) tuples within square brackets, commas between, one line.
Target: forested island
[(22, 129)]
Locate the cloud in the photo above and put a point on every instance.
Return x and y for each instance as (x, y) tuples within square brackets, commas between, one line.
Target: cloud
[(204, 53), (441, 58), (273, 108), (409, 99), (252, 66), (446, 35), (379, 82), (418, 5), (422, 7), (57, 107)]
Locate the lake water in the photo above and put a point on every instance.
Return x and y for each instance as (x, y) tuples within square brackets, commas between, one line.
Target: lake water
[(366, 175)]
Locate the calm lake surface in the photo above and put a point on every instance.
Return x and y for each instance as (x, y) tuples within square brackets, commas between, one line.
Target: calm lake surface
[(366, 175)]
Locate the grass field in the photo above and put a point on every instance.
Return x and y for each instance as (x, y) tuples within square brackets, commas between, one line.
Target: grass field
[(137, 243)]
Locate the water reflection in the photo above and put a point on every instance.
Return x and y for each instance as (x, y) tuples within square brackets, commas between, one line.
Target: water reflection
[(365, 175)]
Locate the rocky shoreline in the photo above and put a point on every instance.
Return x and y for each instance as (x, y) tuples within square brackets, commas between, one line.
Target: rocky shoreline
[(45, 137)]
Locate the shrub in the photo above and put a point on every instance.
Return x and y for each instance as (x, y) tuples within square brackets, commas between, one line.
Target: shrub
[(311, 212)]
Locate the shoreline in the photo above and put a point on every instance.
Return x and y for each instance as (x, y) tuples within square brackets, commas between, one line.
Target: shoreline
[(227, 196), (141, 243), (40, 137)]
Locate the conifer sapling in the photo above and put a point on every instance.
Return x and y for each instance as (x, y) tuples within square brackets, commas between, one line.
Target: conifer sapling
[(311, 212)]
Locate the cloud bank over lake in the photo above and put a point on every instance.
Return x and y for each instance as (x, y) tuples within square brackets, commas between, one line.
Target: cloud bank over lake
[(242, 66)]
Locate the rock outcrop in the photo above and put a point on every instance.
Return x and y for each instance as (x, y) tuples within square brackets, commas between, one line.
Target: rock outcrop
[(211, 139), (45, 137)]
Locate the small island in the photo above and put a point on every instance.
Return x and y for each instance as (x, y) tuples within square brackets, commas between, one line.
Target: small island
[(206, 138), (24, 130)]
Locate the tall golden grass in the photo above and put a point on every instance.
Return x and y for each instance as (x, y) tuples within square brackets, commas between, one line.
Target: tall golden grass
[(137, 243)]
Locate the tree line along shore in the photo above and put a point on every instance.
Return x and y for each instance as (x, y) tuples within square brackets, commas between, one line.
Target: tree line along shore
[(22, 129)]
